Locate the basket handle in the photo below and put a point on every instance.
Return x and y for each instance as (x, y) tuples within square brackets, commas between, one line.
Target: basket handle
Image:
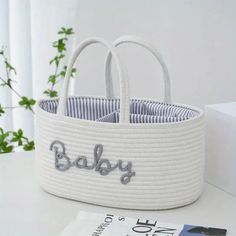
[(124, 87), (150, 48)]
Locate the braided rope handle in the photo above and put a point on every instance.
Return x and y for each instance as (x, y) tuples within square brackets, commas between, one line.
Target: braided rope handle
[(124, 86), (150, 48)]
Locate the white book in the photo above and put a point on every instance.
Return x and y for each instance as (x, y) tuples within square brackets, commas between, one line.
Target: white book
[(95, 224)]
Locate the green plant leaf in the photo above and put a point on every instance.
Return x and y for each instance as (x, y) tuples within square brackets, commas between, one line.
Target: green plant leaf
[(63, 72), (73, 71), (66, 31), (1, 110), (18, 137), (51, 93), (27, 103), (3, 137), (29, 146), (9, 66), (9, 80), (60, 45), (6, 82), (5, 146), (57, 59), (52, 79)]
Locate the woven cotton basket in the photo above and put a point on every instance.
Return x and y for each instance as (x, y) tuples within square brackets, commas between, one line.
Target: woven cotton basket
[(126, 153)]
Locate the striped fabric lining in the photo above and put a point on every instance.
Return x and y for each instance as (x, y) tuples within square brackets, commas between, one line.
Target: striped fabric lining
[(107, 110)]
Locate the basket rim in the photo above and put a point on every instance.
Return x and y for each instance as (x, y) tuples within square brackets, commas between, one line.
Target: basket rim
[(199, 116)]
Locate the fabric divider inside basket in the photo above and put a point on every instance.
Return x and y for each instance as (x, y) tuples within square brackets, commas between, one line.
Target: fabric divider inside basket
[(107, 110)]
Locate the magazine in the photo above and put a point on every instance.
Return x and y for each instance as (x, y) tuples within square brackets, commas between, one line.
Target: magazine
[(95, 224)]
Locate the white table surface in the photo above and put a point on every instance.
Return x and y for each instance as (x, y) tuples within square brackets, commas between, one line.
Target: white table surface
[(25, 209)]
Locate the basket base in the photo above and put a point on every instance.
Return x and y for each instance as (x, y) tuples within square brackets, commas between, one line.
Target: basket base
[(153, 208)]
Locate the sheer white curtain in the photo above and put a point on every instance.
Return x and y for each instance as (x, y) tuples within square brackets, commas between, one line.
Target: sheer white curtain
[(27, 30), (5, 95)]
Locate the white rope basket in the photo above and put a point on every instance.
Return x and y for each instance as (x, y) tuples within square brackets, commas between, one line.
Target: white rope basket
[(125, 153)]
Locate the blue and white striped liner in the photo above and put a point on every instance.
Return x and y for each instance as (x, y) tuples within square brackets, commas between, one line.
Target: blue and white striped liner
[(107, 110)]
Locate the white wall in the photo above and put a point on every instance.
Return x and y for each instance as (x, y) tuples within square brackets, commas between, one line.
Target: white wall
[(196, 38)]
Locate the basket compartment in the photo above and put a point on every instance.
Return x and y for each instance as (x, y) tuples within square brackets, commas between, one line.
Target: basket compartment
[(107, 110)]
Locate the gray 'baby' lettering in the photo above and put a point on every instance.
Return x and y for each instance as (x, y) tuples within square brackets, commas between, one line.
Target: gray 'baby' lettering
[(101, 165)]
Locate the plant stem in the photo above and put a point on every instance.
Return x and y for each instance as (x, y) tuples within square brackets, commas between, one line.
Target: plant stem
[(11, 107), (5, 61), (55, 74), (4, 81)]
